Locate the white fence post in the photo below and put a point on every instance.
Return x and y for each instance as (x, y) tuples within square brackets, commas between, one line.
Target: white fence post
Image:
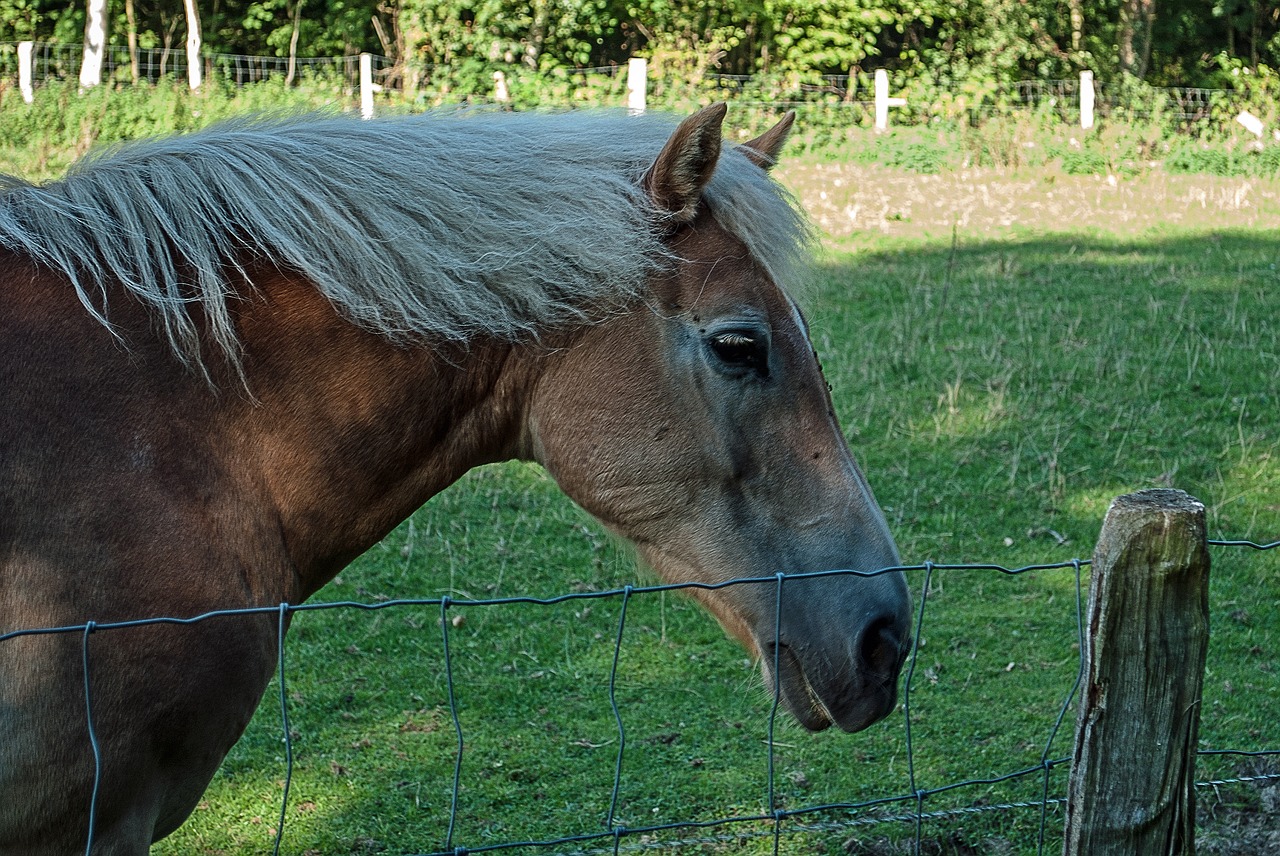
[(637, 84), (1086, 100), (367, 86), (195, 71), (501, 93), (24, 71), (883, 101), (1251, 123)]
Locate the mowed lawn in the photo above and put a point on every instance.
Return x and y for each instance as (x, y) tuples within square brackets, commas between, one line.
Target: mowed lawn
[(1007, 354)]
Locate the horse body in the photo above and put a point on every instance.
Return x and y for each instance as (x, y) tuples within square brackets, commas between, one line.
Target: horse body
[(689, 416)]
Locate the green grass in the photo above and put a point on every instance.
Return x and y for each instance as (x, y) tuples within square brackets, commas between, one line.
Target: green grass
[(998, 390)]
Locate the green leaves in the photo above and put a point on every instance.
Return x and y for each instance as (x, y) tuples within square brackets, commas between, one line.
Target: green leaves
[(1164, 42)]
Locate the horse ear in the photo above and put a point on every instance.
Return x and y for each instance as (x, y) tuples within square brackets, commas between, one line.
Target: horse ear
[(685, 164), (763, 151)]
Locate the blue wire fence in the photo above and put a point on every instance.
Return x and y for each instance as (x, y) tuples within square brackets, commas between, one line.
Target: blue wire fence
[(908, 807)]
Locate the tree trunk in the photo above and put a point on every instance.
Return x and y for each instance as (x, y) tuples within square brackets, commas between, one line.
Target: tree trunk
[(1134, 38), (407, 28), (1147, 11), (293, 44), (129, 15), (393, 45), (537, 35), (1124, 37), (95, 43), (195, 71), (1253, 35)]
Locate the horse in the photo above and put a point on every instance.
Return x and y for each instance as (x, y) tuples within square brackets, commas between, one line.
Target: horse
[(232, 361)]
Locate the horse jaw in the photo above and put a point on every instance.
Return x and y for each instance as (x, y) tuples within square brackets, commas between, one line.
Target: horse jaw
[(831, 651)]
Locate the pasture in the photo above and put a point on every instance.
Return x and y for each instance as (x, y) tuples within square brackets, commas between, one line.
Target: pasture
[(1007, 353), (1070, 340)]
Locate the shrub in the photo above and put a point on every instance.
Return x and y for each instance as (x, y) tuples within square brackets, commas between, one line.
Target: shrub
[(973, 126)]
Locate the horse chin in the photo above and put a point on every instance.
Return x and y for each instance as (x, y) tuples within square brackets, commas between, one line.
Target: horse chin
[(846, 705)]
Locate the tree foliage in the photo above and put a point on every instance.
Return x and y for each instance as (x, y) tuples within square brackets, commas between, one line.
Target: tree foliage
[(1190, 42)]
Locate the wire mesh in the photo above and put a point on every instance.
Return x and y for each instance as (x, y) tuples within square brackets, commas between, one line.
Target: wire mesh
[(615, 837)]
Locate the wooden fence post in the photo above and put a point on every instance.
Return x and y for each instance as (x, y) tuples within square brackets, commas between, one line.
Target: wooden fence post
[(1133, 769), (25, 71), (637, 84)]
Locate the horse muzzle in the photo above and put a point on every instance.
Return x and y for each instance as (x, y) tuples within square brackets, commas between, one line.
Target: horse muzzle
[(850, 680)]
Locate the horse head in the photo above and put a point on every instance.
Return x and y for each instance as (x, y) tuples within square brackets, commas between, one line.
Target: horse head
[(702, 431)]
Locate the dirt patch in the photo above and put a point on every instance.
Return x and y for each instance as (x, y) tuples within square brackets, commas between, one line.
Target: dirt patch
[(850, 199), (1239, 820)]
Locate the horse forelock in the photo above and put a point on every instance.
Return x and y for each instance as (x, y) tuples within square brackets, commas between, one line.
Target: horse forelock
[(426, 228)]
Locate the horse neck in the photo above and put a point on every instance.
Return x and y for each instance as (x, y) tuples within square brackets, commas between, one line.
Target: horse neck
[(349, 433)]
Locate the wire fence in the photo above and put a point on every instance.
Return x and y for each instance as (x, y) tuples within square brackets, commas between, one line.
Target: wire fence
[(1184, 104), (915, 806), (848, 96), (54, 61)]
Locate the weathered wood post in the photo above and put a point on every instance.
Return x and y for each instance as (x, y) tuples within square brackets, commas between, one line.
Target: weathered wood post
[(1133, 770)]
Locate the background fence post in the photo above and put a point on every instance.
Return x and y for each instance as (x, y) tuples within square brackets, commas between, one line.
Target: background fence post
[(24, 71), (883, 101), (367, 86), (1133, 769), (637, 84), (1086, 100), (501, 93)]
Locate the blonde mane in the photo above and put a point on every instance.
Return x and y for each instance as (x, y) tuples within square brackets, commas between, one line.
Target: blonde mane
[(423, 228)]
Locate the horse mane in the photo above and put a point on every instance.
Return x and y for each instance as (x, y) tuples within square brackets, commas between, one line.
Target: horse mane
[(424, 228)]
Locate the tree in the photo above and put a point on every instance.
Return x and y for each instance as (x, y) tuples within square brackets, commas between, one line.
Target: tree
[(1134, 43), (982, 43), (195, 68), (95, 43), (132, 19)]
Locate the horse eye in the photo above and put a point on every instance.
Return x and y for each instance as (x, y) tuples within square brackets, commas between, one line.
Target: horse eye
[(740, 349)]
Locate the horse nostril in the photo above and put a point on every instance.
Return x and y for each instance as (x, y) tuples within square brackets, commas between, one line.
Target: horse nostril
[(882, 650)]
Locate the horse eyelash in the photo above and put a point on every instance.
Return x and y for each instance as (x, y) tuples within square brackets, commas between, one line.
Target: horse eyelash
[(734, 339)]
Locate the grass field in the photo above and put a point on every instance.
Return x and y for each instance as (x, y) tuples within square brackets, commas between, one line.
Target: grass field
[(1008, 352)]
